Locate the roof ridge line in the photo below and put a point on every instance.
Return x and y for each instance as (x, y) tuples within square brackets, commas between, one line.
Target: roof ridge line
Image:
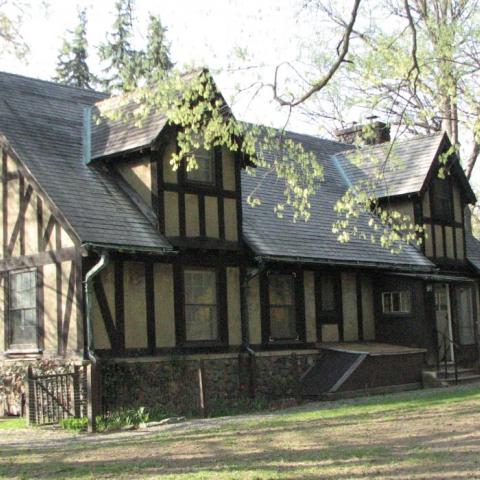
[(52, 82)]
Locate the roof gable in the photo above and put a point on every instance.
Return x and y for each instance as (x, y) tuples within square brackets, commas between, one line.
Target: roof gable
[(42, 122)]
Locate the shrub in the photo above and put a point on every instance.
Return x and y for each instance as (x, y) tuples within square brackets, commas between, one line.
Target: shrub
[(122, 418), (74, 424)]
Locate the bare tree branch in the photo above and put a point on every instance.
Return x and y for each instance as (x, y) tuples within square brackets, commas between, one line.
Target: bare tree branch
[(342, 50)]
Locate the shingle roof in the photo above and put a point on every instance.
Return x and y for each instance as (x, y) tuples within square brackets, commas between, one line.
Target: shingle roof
[(409, 162), (42, 121), (122, 135), (473, 250), (270, 236)]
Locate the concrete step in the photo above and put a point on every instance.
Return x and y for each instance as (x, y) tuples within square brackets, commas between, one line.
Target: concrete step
[(463, 379)]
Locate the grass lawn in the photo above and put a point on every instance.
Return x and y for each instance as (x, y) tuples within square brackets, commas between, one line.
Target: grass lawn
[(12, 423), (430, 434)]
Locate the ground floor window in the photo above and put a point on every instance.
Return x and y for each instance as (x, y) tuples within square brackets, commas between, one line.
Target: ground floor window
[(396, 302), (201, 315), (464, 302), (22, 310), (281, 292)]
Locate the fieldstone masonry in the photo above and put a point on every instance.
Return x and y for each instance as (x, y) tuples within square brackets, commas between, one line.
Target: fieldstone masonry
[(175, 384)]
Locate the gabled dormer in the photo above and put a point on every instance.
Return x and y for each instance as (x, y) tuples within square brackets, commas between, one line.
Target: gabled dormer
[(441, 207), (200, 208)]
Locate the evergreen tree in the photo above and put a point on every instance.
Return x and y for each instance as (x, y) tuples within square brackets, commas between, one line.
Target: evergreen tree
[(156, 59), (124, 63), (72, 68)]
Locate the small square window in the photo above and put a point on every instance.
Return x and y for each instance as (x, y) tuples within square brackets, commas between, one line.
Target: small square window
[(396, 302)]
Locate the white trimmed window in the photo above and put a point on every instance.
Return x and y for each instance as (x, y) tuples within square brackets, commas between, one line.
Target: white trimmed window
[(396, 302), (281, 291), (201, 317), (22, 310)]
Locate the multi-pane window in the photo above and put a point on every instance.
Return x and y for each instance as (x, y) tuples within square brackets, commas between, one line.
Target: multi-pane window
[(201, 317), (442, 209), (22, 310), (205, 170), (281, 290), (396, 302), (328, 298)]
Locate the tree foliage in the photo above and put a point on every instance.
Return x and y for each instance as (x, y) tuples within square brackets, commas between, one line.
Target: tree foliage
[(156, 58), (416, 63), (123, 61), (12, 14), (72, 67)]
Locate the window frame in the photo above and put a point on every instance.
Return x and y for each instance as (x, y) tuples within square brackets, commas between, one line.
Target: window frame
[(9, 345), (219, 340), (444, 188), (212, 157), (293, 307), (400, 302)]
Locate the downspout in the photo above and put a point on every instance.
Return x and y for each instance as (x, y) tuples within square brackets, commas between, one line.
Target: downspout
[(89, 277), (246, 327), (244, 288)]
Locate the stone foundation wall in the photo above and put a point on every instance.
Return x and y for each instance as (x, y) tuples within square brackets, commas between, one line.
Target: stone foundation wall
[(279, 376), (173, 384)]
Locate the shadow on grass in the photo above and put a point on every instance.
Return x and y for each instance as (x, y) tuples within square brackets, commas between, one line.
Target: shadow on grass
[(216, 452)]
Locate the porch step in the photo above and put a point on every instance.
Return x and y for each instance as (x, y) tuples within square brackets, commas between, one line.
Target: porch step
[(463, 378), (464, 375)]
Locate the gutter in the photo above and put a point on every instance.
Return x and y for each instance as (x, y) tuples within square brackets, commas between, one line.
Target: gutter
[(128, 248), (401, 268), (89, 277)]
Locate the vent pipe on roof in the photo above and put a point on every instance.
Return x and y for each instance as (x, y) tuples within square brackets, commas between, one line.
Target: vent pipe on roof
[(87, 135)]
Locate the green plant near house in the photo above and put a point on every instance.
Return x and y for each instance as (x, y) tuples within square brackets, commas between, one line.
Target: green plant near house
[(122, 418), (74, 424)]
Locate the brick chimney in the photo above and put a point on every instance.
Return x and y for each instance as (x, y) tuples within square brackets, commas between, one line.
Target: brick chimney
[(374, 133)]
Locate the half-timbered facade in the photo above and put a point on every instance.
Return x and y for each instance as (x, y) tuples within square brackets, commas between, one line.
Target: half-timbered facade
[(114, 258)]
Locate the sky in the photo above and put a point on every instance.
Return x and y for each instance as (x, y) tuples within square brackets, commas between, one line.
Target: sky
[(201, 32), (206, 32)]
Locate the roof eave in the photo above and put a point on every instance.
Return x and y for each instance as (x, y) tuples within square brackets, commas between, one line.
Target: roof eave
[(347, 263), (94, 246)]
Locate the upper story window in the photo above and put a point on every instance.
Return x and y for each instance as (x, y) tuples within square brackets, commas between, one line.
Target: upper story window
[(283, 324), (201, 316), (205, 170), (22, 310), (396, 302), (442, 207)]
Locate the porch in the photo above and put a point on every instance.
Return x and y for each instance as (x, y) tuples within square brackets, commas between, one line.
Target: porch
[(349, 369)]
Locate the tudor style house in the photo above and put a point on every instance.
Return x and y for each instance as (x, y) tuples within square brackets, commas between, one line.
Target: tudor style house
[(113, 259)]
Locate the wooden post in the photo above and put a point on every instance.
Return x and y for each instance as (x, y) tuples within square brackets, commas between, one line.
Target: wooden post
[(76, 391), (91, 371), (30, 397), (201, 389)]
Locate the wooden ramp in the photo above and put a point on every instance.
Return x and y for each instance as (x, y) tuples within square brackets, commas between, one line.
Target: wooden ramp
[(349, 369)]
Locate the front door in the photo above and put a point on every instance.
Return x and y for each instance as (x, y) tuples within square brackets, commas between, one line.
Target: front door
[(443, 322)]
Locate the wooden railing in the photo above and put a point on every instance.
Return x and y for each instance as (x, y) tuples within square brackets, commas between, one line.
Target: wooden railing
[(448, 344), (51, 398)]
